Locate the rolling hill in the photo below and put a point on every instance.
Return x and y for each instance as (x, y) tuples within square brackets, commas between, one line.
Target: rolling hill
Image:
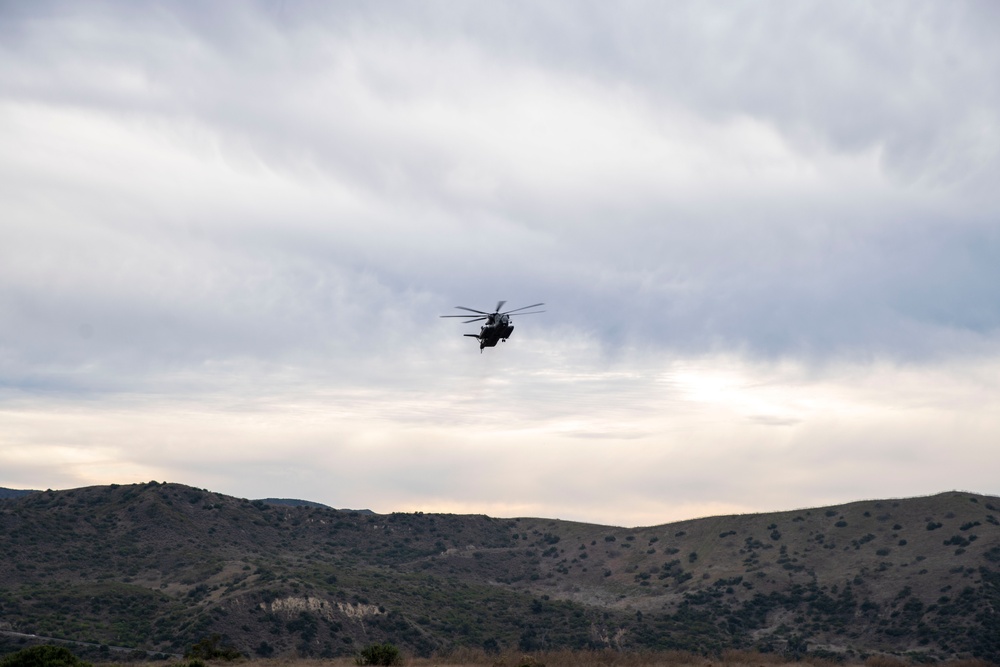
[(161, 566), (14, 493)]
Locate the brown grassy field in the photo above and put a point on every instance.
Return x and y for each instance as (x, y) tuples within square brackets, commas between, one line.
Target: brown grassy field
[(474, 658)]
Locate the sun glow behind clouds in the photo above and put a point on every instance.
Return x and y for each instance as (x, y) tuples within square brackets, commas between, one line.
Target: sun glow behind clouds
[(689, 439)]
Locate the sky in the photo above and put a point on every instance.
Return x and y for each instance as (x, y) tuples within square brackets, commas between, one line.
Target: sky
[(766, 234)]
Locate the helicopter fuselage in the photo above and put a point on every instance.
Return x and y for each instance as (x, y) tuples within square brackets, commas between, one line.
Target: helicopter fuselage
[(496, 329), (497, 326)]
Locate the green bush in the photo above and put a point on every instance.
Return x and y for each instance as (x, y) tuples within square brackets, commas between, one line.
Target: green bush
[(209, 649), (43, 656), (379, 654)]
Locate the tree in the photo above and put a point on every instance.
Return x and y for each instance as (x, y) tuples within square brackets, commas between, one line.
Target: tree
[(43, 656), (379, 654), (209, 649)]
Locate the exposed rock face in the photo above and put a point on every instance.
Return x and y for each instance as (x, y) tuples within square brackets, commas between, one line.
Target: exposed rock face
[(358, 611), (293, 606)]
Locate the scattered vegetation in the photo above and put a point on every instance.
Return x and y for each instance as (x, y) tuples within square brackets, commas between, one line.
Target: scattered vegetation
[(209, 649), (176, 570), (43, 656), (379, 654)]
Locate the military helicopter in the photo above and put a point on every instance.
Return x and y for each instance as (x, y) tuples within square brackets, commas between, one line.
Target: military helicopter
[(497, 327)]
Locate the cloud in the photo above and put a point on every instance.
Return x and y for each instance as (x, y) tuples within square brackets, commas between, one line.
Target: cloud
[(229, 231), (680, 438)]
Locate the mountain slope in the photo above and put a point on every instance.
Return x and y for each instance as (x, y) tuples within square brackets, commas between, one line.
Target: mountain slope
[(160, 566), (14, 493)]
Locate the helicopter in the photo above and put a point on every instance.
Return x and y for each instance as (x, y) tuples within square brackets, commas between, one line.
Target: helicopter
[(497, 327)]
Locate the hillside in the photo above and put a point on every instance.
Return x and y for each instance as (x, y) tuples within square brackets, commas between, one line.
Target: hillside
[(161, 566), (14, 493)]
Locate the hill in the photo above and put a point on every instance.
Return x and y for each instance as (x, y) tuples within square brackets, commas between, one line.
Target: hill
[(14, 493), (293, 502), (161, 566)]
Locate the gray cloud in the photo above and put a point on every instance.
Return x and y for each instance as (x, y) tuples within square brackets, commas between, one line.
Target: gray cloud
[(236, 94), (259, 204)]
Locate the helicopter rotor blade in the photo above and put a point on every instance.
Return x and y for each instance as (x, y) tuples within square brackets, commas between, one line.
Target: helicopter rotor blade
[(522, 308), (499, 306), (471, 310), (477, 318), (530, 312)]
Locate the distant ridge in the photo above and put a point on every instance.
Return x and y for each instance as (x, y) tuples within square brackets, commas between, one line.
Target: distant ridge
[(295, 502), (14, 493), (292, 502)]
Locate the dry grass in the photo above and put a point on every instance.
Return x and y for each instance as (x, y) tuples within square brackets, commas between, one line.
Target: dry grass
[(566, 658), (884, 661), (478, 658)]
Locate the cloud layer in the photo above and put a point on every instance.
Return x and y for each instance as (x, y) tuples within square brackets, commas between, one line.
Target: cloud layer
[(766, 235)]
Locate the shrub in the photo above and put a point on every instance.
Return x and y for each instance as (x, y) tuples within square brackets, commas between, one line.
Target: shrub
[(43, 656), (209, 649), (379, 654)]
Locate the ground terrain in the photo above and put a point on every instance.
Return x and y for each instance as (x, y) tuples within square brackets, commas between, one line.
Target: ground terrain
[(464, 658), (158, 567)]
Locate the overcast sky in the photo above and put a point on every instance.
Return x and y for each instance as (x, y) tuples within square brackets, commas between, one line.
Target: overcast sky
[(767, 235)]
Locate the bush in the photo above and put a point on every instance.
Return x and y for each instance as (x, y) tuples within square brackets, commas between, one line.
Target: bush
[(209, 649), (379, 654), (43, 656)]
